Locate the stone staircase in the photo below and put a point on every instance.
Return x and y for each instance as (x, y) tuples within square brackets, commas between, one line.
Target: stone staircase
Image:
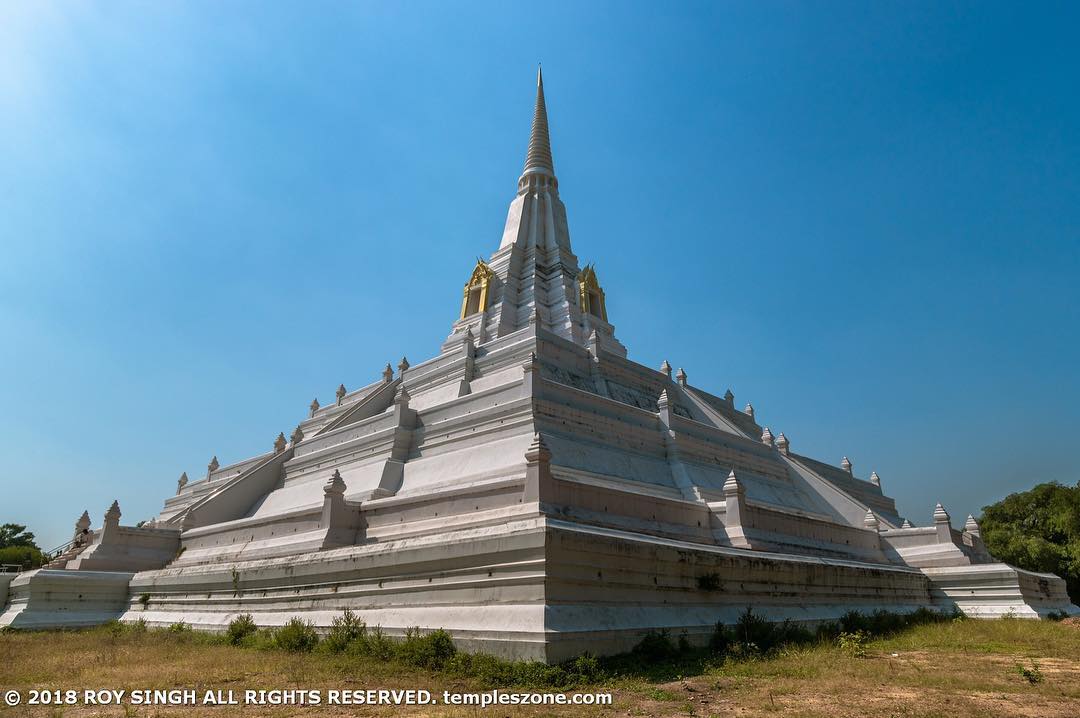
[(72, 550)]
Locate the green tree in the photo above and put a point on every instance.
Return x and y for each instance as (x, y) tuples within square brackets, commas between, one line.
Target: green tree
[(1038, 530), (17, 547), (16, 535)]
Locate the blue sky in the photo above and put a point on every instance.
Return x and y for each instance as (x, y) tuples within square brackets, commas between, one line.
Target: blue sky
[(862, 217)]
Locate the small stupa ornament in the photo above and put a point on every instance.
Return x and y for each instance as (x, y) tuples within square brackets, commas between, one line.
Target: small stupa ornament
[(767, 437), (340, 393), (313, 408), (280, 443)]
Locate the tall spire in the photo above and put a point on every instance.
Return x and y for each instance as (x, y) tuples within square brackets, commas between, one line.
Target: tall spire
[(538, 158)]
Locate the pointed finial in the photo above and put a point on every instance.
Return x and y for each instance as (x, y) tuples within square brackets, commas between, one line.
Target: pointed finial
[(729, 397), (297, 435), (280, 443), (402, 396), (114, 512), (783, 444), (870, 521), (340, 393), (972, 526), (767, 437), (538, 450), (538, 158), (213, 465), (749, 410), (940, 514), (732, 484), (313, 407), (83, 523), (664, 401), (334, 485), (665, 369), (906, 525), (181, 482), (875, 479), (388, 373), (402, 366), (845, 464), (680, 376)]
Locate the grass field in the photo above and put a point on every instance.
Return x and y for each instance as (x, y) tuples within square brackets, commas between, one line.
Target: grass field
[(957, 668)]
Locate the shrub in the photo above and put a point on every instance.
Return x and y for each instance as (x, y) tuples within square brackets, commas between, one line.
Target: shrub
[(373, 643), (430, 650), (240, 628), (756, 631), (1033, 674), (854, 643), (344, 630), (297, 636), (721, 638), (144, 599), (708, 581), (179, 627), (584, 669), (656, 646)]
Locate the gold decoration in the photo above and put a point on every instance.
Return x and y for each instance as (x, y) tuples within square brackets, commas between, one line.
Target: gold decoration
[(592, 296), (477, 287)]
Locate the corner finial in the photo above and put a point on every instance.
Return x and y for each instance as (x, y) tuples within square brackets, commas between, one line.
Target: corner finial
[(297, 435), (875, 479), (870, 521), (972, 526), (340, 393), (783, 444), (182, 482), (665, 369), (680, 376), (749, 410), (940, 514), (845, 464), (335, 485), (280, 443), (733, 485), (388, 373), (767, 437)]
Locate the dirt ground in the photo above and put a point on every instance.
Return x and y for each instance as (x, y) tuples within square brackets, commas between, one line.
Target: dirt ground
[(971, 669)]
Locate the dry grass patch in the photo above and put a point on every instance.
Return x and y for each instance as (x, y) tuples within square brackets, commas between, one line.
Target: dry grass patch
[(963, 669)]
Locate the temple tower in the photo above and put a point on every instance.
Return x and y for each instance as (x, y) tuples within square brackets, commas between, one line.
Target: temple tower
[(534, 276)]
